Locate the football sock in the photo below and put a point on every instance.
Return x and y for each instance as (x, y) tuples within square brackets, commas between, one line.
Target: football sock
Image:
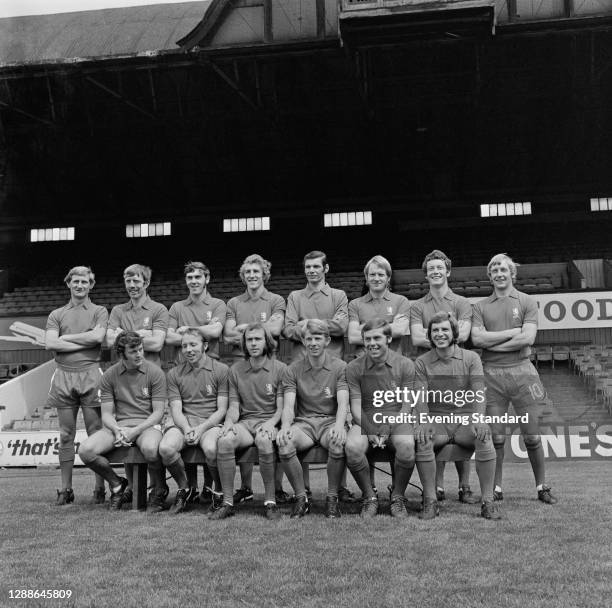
[(486, 474), (361, 473), (293, 470), (214, 473), (226, 464), (246, 474), (100, 465), (403, 473), (536, 458), (336, 466), (499, 465), (266, 468), (427, 475), (177, 470)]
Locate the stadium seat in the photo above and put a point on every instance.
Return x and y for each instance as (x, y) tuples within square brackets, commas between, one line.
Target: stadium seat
[(543, 353), (22, 425), (560, 352)]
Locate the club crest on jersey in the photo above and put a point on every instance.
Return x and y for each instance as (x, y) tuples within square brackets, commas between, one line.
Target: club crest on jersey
[(389, 310), (209, 390), (269, 390), (327, 392), (145, 392), (515, 313), (262, 317), (146, 323), (208, 315)]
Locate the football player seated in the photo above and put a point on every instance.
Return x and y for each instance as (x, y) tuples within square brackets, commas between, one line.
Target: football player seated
[(133, 396), (390, 424), (255, 406), (454, 381), (315, 409), (198, 395)]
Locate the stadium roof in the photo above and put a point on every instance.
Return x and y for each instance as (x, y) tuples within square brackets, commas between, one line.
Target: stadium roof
[(68, 37)]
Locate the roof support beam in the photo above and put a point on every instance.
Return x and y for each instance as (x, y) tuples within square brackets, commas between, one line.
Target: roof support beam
[(233, 84), (127, 102), (51, 100), (152, 86), (44, 121)]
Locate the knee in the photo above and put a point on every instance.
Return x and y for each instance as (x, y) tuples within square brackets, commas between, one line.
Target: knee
[(354, 453), (424, 451), (167, 452), (335, 451), (405, 454), (150, 452), (484, 450), (532, 442), (288, 449), (210, 452), (86, 453), (67, 435), (499, 441), (224, 444), (264, 444)]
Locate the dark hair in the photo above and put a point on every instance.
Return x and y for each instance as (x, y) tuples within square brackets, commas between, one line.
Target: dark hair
[(269, 340), (436, 254), (440, 317), (125, 339), (193, 266), (376, 323), (313, 255)]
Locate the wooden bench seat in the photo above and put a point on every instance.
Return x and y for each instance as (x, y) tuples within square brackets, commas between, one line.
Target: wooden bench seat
[(194, 455)]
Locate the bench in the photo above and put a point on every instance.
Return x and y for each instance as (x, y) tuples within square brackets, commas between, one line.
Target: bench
[(194, 455)]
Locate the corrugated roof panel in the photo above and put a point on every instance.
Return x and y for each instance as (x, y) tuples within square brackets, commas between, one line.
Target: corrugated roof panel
[(119, 31)]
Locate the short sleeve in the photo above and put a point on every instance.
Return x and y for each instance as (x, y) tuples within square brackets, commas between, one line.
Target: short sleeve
[(173, 322), (341, 383), (281, 369), (101, 317), (289, 383), (403, 307), (159, 390), (420, 374), (107, 392), (477, 315), (353, 310), (408, 373), (278, 304), (231, 311), (464, 309), (234, 392), (416, 313), (174, 393), (114, 320), (160, 320), (221, 375), (53, 321), (531, 310), (219, 311), (352, 379)]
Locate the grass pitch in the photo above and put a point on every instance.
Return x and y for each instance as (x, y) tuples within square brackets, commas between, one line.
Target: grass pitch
[(538, 555)]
